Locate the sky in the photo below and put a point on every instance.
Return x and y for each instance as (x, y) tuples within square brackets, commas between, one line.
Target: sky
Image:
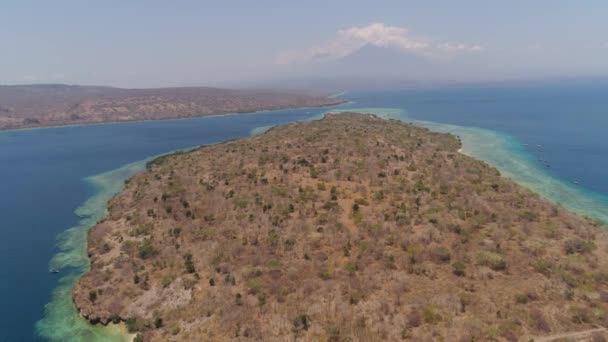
[(153, 43)]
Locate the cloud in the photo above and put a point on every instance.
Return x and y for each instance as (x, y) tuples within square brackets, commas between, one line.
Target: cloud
[(459, 47), (350, 40)]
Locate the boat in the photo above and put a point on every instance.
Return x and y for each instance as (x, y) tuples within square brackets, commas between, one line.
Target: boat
[(54, 271), (575, 182)]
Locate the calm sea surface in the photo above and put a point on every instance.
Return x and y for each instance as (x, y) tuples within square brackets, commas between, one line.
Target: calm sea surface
[(545, 136)]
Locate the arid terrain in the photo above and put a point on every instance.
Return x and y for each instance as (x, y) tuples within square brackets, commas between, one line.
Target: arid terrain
[(54, 105), (349, 228)]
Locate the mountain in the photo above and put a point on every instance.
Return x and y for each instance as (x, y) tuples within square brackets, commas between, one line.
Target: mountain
[(376, 68), (57, 104)]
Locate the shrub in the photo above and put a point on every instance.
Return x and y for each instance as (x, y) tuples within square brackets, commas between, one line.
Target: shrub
[(302, 322), (146, 250), (166, 281), (441, 254), (261, 299), (521, 298), (92, 296), (414, 319), (175, 329), (132, 325), (529, 216), (539, 321), (158, 322), (334, 193), (351, 268), (431, 315), (314, 173), (543, 266), (578, 246), (361, 201), (325, 275), (459, 268), (330, 205), (188, 263), (492, 260)]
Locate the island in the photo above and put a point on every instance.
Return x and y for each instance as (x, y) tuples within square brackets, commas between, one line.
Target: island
[(348, 228), (44, 105)]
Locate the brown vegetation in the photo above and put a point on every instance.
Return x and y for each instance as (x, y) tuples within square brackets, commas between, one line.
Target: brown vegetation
[(54, 105), (350, 228)]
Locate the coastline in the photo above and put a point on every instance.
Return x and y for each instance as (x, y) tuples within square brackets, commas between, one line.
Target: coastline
[(2, 130), (506, 153), (72, 242), (61, 320), (463, 150)]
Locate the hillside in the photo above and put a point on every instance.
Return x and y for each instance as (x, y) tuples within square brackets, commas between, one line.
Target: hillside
[(54, 105), (349, 228)]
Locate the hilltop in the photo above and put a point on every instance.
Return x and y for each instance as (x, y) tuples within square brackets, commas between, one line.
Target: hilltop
[(349, 228), (58, 104)]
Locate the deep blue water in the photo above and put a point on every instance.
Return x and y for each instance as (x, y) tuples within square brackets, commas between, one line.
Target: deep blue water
[(569, 121), (41, 174), (42, 171)]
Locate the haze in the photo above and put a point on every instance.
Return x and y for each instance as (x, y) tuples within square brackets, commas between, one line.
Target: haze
[(242, 43)]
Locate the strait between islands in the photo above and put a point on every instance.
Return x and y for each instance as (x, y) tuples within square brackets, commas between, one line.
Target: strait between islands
[(349, 228)]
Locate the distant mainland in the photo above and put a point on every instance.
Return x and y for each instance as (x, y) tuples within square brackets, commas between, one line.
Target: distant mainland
[(45, 105)]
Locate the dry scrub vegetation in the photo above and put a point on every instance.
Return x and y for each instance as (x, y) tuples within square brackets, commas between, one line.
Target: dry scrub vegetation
[(55, 105), (350, 228)]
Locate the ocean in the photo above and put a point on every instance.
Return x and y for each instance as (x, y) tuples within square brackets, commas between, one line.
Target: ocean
[(55, 182)]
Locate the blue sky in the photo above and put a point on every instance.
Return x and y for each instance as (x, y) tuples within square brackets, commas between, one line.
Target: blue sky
[(170, 43)]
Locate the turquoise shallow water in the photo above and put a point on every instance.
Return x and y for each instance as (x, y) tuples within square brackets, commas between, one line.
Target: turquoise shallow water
[(507, 154), (48, 175), (50, 198), (61, 321)]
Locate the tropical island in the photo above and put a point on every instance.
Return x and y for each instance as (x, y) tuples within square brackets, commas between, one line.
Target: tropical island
[(351, 227), (44, 105)]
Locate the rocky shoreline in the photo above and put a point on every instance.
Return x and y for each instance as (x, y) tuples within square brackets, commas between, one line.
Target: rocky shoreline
[(346, 227)]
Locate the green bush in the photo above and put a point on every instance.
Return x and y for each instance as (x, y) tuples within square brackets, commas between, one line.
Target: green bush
[(302, 322), (325, 275), (188, 263), (351, 268), (492, 260), (431, 315), (441, 254), (146, 250), (521, 298), (578, 246), (459, 268), (132, 325)]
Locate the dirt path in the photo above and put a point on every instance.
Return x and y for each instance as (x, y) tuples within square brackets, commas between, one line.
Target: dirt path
[(584, 335)]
